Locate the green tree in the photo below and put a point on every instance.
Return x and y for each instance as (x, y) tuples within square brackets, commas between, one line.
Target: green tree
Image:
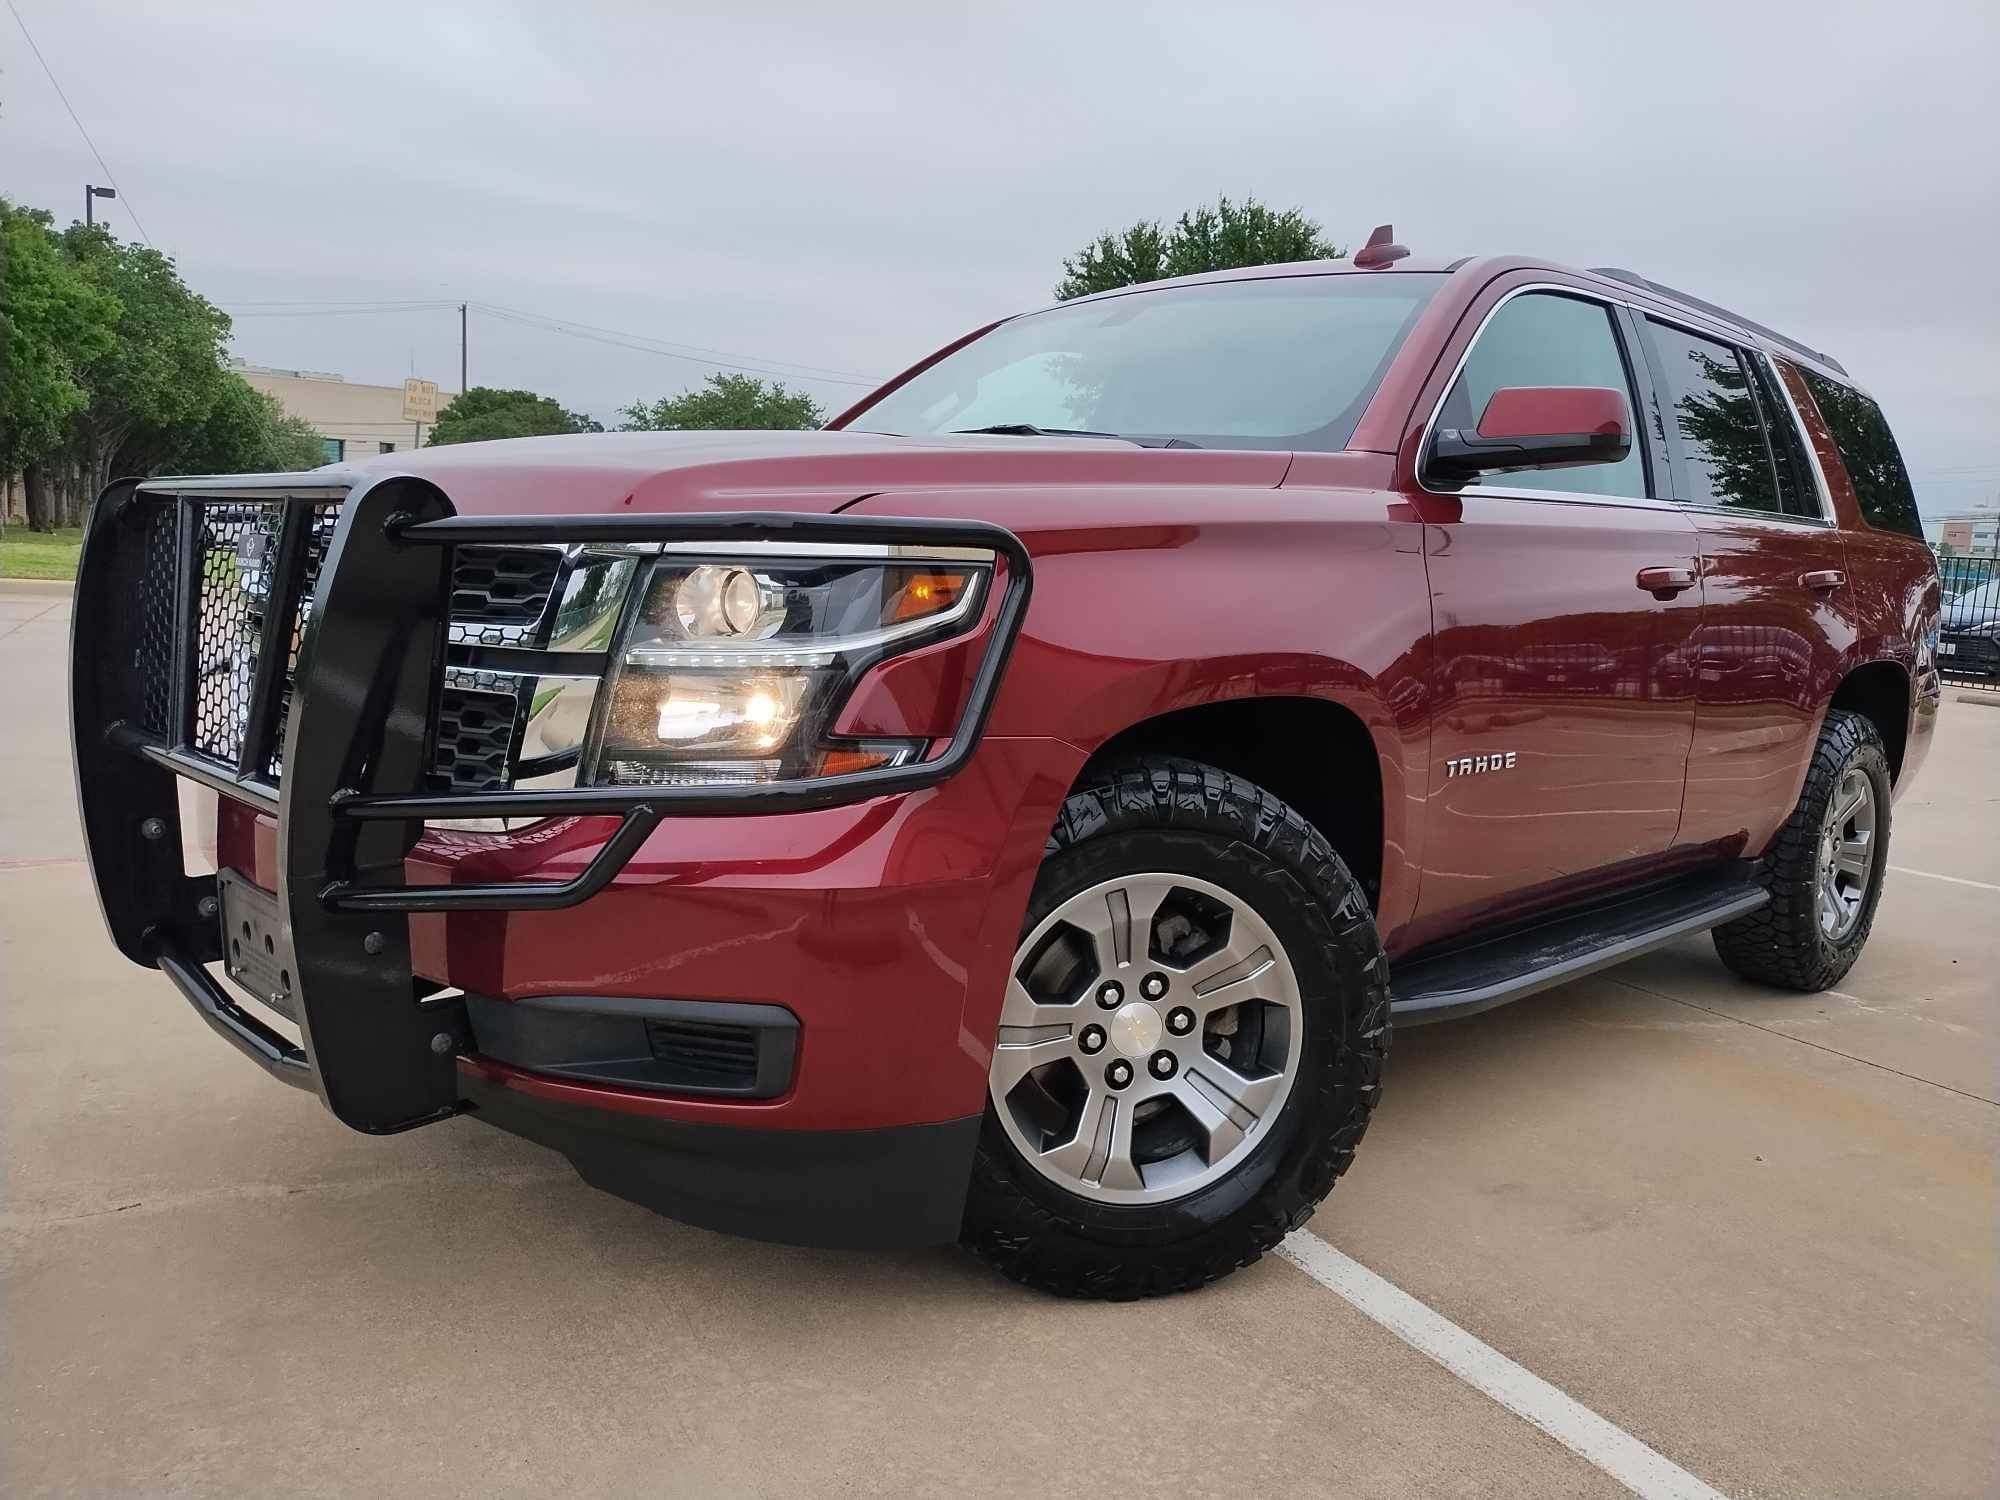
[(245, 432), (485, 412), (162, 374), (727, 402), (1217, 238), (53, 322)]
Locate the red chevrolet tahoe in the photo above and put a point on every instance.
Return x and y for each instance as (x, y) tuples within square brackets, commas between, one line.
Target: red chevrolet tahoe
[(1019, 812)]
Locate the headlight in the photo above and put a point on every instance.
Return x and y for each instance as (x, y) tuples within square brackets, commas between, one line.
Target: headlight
[(731, 670)]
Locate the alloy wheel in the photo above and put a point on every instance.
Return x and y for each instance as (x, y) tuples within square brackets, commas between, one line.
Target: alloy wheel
[(1847, 854), (1150, 1036)]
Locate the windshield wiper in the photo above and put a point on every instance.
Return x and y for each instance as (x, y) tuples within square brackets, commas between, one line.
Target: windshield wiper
[(1029, 429)]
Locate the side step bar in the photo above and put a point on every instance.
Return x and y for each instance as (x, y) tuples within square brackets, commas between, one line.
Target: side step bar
[(1477, 975)]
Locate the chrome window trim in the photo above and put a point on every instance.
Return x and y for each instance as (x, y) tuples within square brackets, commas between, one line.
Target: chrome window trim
[(1822, 491), (1527, 492), (1578, 497), (1823, 522)]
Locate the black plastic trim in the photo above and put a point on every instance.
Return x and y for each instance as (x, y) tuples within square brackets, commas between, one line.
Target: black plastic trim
[(603, 1039), (853, 1189), (1478, 973)]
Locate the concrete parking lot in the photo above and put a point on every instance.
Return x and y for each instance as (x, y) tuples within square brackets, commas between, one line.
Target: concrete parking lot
[(1755, 1231)]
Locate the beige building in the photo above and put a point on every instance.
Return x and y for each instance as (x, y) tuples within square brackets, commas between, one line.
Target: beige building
[(1974, 532), (353, 420)]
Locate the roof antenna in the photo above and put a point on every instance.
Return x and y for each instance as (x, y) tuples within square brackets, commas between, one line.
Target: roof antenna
[(1381, 249)]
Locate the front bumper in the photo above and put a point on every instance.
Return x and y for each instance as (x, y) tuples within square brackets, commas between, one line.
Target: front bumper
[(1970, 655), (375, 916)]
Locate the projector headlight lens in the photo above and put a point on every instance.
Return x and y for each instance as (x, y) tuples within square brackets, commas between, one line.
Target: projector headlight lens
[(732, 670)]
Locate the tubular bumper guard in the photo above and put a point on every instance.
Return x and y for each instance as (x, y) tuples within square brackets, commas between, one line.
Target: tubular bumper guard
[(350, 804)]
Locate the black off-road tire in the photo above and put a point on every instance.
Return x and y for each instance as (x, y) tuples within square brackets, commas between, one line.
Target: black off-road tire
[(1180, 815), (1782, 944)]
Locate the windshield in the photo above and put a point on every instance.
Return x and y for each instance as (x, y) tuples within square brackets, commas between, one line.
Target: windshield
[(1281, 362)]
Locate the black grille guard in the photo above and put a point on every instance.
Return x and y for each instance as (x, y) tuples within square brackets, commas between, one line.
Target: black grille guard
[(350, 804)]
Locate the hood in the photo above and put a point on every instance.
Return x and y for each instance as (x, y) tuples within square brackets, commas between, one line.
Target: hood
[(655, 472)]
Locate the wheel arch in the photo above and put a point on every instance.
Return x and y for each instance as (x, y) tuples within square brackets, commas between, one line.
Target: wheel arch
[(1880, 692), (1314, 752)]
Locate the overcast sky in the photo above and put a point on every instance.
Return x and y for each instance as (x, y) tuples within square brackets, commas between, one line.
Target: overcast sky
[(846, 186)]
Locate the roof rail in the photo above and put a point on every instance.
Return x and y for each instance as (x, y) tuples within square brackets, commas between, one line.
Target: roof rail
[(1633, 278)]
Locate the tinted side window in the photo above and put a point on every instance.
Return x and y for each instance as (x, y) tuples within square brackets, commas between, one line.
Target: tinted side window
[(1861, 433), (1545, 339), (1798, 490), (1725, 458)]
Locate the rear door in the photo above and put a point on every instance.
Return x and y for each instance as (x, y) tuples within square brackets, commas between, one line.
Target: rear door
[(1778, 603), (1563, 685)]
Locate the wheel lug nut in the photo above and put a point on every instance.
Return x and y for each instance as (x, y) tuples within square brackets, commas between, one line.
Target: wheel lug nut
[(1153, 986), (1091, 1039), (1118, 1074), (1111, 994), (1180, 1020), (1164, 1065)]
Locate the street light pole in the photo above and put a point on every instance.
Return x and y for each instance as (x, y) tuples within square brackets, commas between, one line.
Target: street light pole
[(91, 192), (461, 348)]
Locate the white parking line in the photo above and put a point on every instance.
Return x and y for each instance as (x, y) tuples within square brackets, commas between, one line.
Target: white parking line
[(1977, 885), (1486, 1369)]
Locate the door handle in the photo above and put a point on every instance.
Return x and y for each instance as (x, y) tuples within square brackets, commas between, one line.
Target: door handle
[(1822, 578), (1664, 583)]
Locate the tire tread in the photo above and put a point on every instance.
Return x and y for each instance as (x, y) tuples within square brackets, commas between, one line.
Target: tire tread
[(1023, 1239), (1780, 944)]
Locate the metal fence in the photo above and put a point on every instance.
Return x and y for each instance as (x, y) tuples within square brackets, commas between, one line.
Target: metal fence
[(1969, 624)]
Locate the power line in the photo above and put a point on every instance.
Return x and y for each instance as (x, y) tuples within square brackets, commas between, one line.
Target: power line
[(108, 177), (693, 353), (337, 303), (334, 312), (593, 333)]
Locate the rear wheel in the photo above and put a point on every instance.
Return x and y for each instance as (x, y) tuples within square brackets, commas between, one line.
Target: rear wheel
[(1824, 869), (1191, 1041)]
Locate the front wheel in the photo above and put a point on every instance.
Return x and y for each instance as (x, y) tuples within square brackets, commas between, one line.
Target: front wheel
[(1191, 1041), (1823, 870)]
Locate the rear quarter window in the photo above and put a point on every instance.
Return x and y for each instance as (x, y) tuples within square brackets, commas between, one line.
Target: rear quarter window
[(1868, 452)]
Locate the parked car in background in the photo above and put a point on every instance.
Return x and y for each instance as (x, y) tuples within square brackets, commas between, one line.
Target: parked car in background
[(1019, 812), (1969, 631)]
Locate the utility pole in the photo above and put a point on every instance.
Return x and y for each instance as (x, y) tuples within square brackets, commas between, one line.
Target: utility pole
[(91, 192), (461, 348)]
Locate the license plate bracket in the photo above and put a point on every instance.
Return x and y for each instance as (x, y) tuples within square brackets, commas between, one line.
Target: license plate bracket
[(255, 952)]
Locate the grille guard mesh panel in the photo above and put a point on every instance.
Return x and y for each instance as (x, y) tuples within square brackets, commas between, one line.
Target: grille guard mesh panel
[(234, 550)]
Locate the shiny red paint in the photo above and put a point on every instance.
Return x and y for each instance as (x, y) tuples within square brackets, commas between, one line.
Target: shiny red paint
[(1519, 411), (1652, 727)]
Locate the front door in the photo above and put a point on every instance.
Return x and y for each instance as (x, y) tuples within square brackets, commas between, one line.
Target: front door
[(1564, 605)]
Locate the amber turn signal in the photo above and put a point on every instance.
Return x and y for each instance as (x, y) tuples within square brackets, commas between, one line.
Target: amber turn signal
[(845, 760), (928, 593)]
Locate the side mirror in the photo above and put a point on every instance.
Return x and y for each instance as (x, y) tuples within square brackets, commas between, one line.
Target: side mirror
[(1536, 427)]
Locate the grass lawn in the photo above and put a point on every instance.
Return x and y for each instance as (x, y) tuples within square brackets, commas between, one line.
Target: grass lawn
[(39, 554)]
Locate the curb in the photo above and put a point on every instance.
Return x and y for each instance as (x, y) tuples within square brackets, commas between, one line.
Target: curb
[(50, 587)]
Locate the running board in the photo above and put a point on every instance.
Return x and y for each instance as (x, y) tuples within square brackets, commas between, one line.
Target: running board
[(1481, 974)]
